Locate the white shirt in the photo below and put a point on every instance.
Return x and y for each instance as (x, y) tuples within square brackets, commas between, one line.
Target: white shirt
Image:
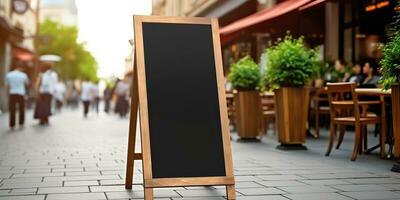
[(59, 91), (17, 81), (48, 82), (122, 89), (95, 90), (86, 91)]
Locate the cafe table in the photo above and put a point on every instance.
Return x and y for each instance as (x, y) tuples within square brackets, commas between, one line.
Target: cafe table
[(378, 92)]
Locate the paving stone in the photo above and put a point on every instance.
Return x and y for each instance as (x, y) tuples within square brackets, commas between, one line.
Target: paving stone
[(259, 191), (4, 192), (268, 197), (208, 198), (80, 178), (308, 189), (355, 188), (392, 186), (80, 183), (30, 197), (140, 194), (372, 195), (281, 183), (77, 196), (280, 177), (113, 188), (202, 193), (37, 175), (30, 185), (55, 190), (247, 185), (317, 196), (24, 191), (373, 180), (325, 182)]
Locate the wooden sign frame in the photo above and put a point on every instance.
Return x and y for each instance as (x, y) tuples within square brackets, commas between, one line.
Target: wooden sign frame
[(139, 99)]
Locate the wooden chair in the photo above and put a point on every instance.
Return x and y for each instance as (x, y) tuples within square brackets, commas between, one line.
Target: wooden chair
[(318, 108), (268, 112), (345, 110), (230, 106)]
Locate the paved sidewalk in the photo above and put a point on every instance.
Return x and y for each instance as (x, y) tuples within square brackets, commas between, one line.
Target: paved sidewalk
[(77, 158)]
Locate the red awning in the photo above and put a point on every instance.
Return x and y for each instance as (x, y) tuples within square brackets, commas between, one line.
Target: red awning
[(314, 3), (264, 15), (22, 54)]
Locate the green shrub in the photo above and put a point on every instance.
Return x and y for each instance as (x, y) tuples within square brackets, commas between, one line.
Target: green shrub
[(391, 62), (245, 74), (290, 63)]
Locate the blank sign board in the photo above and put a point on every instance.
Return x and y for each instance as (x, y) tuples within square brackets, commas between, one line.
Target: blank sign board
[(179, 91), (182, 99)]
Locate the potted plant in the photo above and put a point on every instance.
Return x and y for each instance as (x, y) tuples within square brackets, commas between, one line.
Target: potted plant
[(391, 80), (290, 68), (245, 77)]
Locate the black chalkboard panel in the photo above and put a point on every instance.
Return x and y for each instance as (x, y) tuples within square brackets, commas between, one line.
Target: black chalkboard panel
[(182, 97)]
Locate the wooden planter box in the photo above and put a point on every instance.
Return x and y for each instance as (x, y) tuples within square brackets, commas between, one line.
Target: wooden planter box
[(291, 116), (248, 114), (396, 119)]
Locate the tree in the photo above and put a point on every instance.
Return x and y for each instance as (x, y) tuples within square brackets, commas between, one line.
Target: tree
[(61, 40)]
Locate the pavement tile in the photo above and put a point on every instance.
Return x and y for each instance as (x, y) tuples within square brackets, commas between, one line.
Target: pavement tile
[(37, 175), (30, 197), (355, 188), (325, 182), (281, 183), (30, 185), (77, 196), (55, 190), (114, 188), (372, 195), (392, 186), (308, 189), (140, 194), (259, 191), (372, 180), (24, 191), (280, 177), (80, 183), (317, 196), (265, 197)]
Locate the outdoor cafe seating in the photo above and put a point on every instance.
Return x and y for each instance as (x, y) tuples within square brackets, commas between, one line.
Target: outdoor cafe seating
[(346, 106)]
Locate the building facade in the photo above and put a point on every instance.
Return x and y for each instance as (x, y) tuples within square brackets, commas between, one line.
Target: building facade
[(350, 30), (17, 34), (62, 11)]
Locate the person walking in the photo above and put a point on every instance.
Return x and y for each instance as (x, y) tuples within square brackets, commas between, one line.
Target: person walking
[(95, 96), (16, 81), (122, 92), (59, 95), (86, 96), (45, 87), (107, 96)]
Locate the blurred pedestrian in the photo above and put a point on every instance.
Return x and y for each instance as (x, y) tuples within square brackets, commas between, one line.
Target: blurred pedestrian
[(59, 95), (107, 96), (95, 96), (16, 81), (45, 85), (86, 96), (122, 92)]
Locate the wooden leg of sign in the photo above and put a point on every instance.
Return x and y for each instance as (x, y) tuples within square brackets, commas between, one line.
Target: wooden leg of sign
[(230, 192), (148, 193), (132, 134)]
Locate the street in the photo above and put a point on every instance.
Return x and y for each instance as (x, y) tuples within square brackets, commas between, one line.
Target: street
[(77, 158)]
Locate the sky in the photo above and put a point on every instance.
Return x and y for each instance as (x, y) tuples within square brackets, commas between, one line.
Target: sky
[(106, 27)]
